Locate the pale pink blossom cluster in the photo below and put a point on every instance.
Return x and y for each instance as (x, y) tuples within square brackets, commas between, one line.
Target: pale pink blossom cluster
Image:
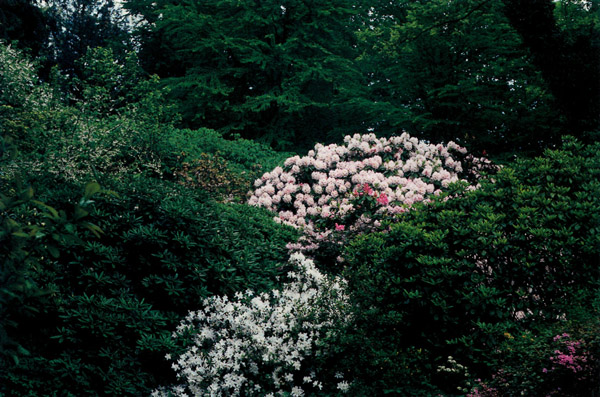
[(318, 192)]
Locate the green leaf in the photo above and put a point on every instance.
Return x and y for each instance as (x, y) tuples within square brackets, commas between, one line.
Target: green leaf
[(91, 189), (51, 214), (53, 251), (93, 228), (27, 194), (80, 212)]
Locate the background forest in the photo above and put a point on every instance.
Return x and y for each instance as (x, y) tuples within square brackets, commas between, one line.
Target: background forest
[(160, 159)]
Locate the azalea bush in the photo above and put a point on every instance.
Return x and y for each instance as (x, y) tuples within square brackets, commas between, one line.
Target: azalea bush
[(338, 191), (270, 343), (555, 360)]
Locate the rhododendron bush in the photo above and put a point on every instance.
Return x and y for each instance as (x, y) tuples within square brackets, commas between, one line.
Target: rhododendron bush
[(517, 254), (260, 344), (338, 190)]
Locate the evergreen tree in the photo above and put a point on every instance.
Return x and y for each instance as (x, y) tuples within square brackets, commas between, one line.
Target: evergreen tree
[(456, 71), (24, 22), (281, 71), (565, 43), (76, 25)]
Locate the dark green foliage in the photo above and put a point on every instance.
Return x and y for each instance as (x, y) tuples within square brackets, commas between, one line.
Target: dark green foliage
[(224, 168), (89, 300), (117, 296), (32, 232), (278, 71), (23, 22), (450, 277), (211, 173), (77, 25), (242, 155), (567, 56), (22, 101), (91, 289), (17, 282), (456, 71), (551, 359), (291, 73)]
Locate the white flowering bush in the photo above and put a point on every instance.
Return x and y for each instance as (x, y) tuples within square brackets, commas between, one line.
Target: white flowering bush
[(264, 344), (351, 188)]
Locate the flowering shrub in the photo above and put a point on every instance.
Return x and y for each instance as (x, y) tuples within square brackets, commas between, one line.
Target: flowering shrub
[(422, 283), (455, 373), (568, 357), (570, 366), (483, 390), (544, 365), (351, 188), (260, 344)]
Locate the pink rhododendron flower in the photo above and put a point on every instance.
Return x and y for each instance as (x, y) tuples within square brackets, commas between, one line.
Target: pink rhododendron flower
[(339, 227), (383, 199), (387, 175)]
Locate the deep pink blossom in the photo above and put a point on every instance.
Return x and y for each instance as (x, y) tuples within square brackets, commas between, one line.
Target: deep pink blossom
[(383, 199)]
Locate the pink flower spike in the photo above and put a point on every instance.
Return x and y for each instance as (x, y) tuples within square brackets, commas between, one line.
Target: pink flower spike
[(339, 227)]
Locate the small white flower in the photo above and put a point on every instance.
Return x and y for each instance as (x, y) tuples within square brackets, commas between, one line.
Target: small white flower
[(343, 386)]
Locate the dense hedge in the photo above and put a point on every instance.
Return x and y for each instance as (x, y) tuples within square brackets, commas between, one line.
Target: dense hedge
[(450, 278)]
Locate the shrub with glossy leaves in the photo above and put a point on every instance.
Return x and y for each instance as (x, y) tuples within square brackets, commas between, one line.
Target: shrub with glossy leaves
[(117, 297), (450, 278), (29, 231)]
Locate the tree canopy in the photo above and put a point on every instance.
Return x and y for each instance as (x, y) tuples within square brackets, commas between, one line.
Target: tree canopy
[(283, 72), (498, 76)]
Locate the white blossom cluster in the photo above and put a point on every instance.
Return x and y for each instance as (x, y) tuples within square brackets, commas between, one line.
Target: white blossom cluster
[(457, 369), (323, 185), (263, 344)]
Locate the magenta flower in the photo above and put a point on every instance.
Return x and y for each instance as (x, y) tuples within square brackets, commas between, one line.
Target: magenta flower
[(383, 199), (367, 189), (339, 227)]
